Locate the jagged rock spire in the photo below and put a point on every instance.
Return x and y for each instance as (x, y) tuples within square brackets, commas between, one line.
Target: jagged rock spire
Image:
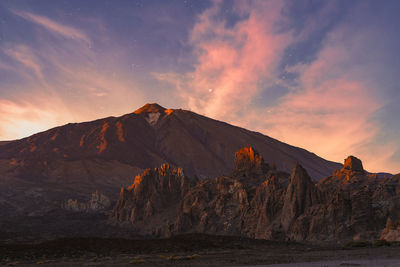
[(301, 193)]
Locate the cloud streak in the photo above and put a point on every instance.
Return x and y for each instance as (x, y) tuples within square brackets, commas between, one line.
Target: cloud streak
[(54, 27), (24, 56), (59, 81)]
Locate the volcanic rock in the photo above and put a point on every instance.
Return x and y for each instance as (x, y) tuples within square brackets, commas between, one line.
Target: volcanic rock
[(248, 162), (392, 230), (98, 202), (213, 206), (153, 198), (353, 164), (249, 167), (300, 195), (349, 205), (262, 219)]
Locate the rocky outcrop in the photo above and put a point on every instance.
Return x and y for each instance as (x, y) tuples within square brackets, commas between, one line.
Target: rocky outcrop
[(389, 199), (353, 164), (249, 168), (97, 203), (262, 220), (261, 202), (392, 230), (153, 199), (248, 162), (301, 194), (213, 206)]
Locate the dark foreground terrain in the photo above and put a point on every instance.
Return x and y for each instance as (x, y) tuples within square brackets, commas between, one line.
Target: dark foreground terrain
[(192, 250)]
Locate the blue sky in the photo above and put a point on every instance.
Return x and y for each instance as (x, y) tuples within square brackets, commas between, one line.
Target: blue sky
[(322, 75)]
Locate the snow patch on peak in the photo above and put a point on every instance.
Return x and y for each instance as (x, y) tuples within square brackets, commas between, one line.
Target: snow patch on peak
[(152, 118)]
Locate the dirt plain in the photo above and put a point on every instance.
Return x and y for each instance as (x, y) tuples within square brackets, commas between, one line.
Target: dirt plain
[(193, 250)]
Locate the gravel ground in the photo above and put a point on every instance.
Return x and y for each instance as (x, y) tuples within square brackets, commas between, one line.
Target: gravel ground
[(194, 250)]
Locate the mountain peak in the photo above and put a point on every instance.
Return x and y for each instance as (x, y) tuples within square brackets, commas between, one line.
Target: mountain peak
[(150, 108)]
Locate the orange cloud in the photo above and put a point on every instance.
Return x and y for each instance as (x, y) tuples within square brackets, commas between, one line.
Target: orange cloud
[(22, 119)]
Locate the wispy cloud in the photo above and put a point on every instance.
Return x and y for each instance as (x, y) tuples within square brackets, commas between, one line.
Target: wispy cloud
[(24, 55), (232, 60), (56, 81), (54, 27)]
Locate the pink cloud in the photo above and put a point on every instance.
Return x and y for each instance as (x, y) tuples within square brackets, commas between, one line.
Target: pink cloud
[(232, 60), (331, 110)]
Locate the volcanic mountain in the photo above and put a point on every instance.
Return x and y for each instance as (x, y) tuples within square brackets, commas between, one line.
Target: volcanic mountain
[(67, 164), (153, 135)]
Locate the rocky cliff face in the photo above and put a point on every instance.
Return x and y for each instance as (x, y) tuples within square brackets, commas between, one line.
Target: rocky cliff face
[(388, 198), (300, 195), (260, 202), (213, 206), (153, 200)]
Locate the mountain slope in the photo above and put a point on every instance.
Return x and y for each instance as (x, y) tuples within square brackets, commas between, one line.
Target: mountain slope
[(153, 135)]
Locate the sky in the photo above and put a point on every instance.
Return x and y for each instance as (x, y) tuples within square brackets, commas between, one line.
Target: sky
[(319, 74)]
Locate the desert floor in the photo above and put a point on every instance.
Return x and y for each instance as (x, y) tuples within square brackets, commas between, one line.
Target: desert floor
[(196, 250)]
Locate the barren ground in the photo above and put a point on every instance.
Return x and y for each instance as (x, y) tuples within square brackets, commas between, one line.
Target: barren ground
[(195, 250)]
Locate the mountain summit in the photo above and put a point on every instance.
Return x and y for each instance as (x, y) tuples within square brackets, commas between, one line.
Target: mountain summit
[(150, 108)]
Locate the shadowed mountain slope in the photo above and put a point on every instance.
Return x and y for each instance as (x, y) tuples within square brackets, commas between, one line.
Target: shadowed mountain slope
[(153, 135)]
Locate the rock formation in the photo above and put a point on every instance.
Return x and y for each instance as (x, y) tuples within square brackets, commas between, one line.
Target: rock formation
[(98, 202), (260, 202), (388, 199), (262, 219), (353, 164), (301, 194), (153, 199), (213, 206), (249, 168)]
